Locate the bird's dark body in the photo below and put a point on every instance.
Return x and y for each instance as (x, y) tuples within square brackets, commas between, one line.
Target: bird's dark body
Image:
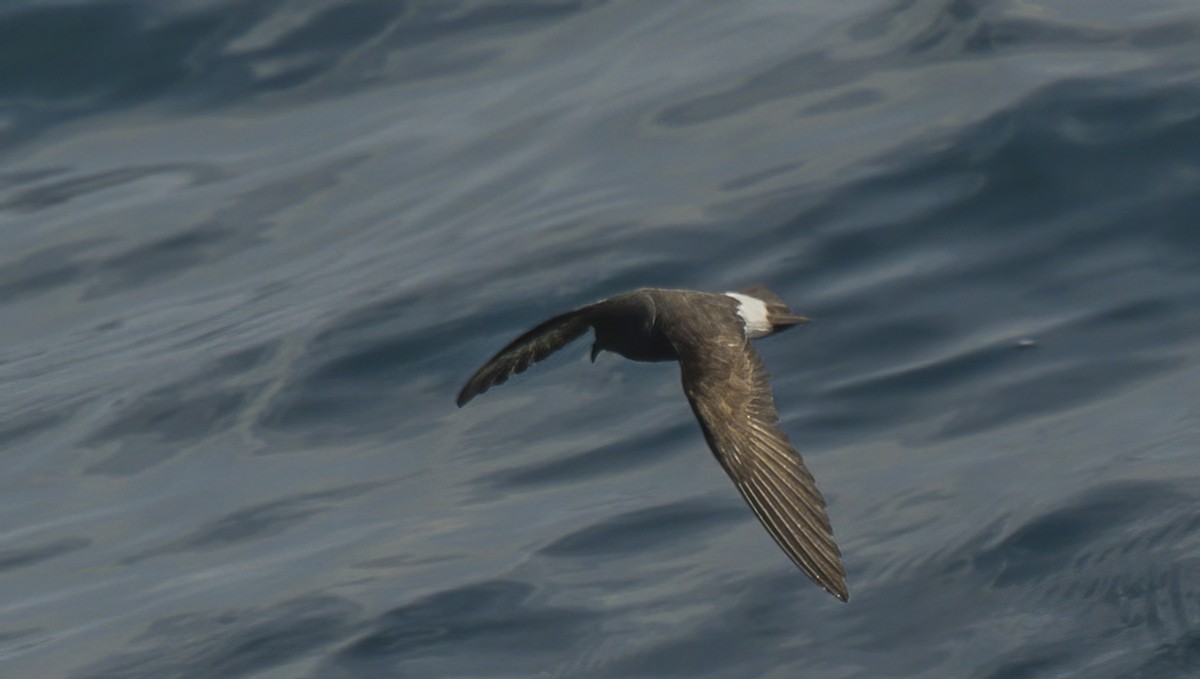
[(638, 324), (729, 391)]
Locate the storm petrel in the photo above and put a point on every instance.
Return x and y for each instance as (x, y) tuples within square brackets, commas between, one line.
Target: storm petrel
[(728, 387)]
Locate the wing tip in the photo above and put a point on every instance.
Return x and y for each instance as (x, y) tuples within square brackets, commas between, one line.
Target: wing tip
[(841, 593), (465, 395), (479, 383)]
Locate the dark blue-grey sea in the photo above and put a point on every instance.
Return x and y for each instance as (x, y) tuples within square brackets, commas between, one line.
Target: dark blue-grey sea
[(251, 249)]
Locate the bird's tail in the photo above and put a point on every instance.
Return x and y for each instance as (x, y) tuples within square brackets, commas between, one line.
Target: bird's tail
[(778, 313)]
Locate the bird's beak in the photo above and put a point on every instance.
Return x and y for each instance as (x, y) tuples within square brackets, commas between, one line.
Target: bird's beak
[(788, 320), (595, 351)]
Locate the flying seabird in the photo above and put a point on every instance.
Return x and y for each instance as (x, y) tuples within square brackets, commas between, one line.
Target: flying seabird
[(729, 389)]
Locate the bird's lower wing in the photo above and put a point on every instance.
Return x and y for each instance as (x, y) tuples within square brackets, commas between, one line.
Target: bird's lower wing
[(528, 349), (730, 392)]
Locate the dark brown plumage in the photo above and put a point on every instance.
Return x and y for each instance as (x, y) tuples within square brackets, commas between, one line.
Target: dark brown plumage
[(729, 390)]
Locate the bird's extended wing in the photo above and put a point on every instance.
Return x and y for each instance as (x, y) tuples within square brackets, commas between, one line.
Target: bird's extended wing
[(730, 392), (528, 349)]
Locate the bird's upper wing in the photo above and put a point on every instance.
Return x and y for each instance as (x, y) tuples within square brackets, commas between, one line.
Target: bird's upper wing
[(730, 392), (527, 349)]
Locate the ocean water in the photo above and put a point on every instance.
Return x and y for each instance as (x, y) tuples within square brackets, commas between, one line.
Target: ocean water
[(250, 250)]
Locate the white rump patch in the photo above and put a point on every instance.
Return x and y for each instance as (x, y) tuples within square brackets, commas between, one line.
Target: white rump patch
[(753, 311)]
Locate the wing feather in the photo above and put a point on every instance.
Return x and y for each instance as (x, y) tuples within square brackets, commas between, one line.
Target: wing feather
[(730, 392), (529, 348)]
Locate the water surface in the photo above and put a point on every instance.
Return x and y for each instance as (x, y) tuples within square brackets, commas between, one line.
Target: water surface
[(251, 249)]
